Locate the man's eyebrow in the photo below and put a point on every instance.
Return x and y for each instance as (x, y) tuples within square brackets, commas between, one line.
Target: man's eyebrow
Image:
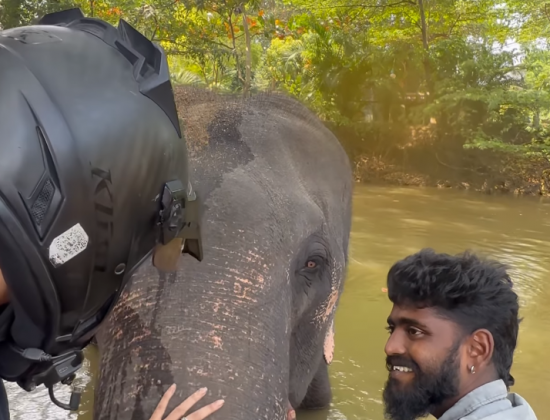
[(406, 321)]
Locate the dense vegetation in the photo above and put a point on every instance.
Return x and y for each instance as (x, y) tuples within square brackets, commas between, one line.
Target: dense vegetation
[(447, 92)]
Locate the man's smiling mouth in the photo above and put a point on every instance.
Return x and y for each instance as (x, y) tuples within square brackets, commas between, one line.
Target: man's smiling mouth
[(401, 369)]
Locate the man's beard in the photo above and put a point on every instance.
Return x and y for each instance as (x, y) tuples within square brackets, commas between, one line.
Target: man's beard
[(426, 391)]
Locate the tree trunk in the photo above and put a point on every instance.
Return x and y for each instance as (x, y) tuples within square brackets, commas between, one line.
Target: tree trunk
[(427, 69), (536, 119), (234, 42), (247, 81)]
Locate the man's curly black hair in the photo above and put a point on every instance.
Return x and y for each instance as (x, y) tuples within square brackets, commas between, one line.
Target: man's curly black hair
[(472, 292)]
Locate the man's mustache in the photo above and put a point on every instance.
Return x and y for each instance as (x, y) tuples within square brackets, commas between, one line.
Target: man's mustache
[(392, 361)]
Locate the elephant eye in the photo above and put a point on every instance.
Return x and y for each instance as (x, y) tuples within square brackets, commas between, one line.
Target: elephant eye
[(311, 264), (315, 262)]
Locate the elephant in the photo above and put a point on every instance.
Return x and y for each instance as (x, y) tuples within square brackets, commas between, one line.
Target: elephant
[(253, 321)]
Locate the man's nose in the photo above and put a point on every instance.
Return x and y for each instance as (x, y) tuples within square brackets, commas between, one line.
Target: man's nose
[(395, 344)]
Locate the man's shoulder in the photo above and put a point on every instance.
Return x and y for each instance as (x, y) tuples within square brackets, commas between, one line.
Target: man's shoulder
[(513, 407), (522, 408), (491, 401), (4, 407)]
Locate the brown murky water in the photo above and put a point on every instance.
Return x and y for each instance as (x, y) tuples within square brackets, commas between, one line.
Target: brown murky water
[(390, 223)]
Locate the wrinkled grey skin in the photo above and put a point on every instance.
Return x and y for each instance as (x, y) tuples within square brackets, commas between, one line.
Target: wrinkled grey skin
[(250, 321)]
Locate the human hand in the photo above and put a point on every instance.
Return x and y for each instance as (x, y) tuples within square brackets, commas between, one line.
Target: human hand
[(179, 412)]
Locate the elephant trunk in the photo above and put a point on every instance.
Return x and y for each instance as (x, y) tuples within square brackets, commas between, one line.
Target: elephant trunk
[(214, 326)]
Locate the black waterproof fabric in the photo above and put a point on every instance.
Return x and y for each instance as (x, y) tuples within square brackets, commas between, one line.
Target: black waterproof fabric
[(4, 407)]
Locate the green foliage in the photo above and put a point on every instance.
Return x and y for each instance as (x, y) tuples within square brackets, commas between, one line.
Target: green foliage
[(472, 74), (25, 12)]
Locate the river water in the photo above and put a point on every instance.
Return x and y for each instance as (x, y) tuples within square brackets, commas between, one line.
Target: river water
[(389, 224)]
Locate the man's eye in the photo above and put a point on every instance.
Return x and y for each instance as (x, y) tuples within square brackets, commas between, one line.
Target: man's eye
[(389, 329), (415, 332)]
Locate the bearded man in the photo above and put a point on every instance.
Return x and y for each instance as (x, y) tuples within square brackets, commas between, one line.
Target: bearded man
[(453, 331)]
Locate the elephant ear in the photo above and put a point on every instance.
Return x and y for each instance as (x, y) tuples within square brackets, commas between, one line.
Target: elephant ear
[(329, 344)]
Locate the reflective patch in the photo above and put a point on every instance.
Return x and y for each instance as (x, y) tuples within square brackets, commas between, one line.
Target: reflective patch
[(68, 245), (329, 344)]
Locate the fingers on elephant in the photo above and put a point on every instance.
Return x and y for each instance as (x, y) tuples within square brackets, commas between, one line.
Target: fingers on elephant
[(161, 407), (203, 412), (185, 406)]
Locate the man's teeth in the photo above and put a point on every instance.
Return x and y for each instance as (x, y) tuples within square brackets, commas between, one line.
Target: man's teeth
[(402, 369)]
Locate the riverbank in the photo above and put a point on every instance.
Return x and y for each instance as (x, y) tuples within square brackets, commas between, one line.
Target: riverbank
[(503, 175)]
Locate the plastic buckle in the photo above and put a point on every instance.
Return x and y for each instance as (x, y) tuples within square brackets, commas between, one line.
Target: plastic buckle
[(191, 232), (179, 226), (63, 370), (172, 210)]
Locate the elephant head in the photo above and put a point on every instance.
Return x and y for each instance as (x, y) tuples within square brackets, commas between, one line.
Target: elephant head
[(253, 320)]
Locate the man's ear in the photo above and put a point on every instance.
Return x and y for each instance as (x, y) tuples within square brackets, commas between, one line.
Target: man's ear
[(480, 348)]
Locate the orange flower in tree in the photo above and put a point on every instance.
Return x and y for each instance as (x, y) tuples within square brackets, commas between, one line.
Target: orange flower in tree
[(261, 13), (114, 11), (228, 30), (251, 22), (102, 14)]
